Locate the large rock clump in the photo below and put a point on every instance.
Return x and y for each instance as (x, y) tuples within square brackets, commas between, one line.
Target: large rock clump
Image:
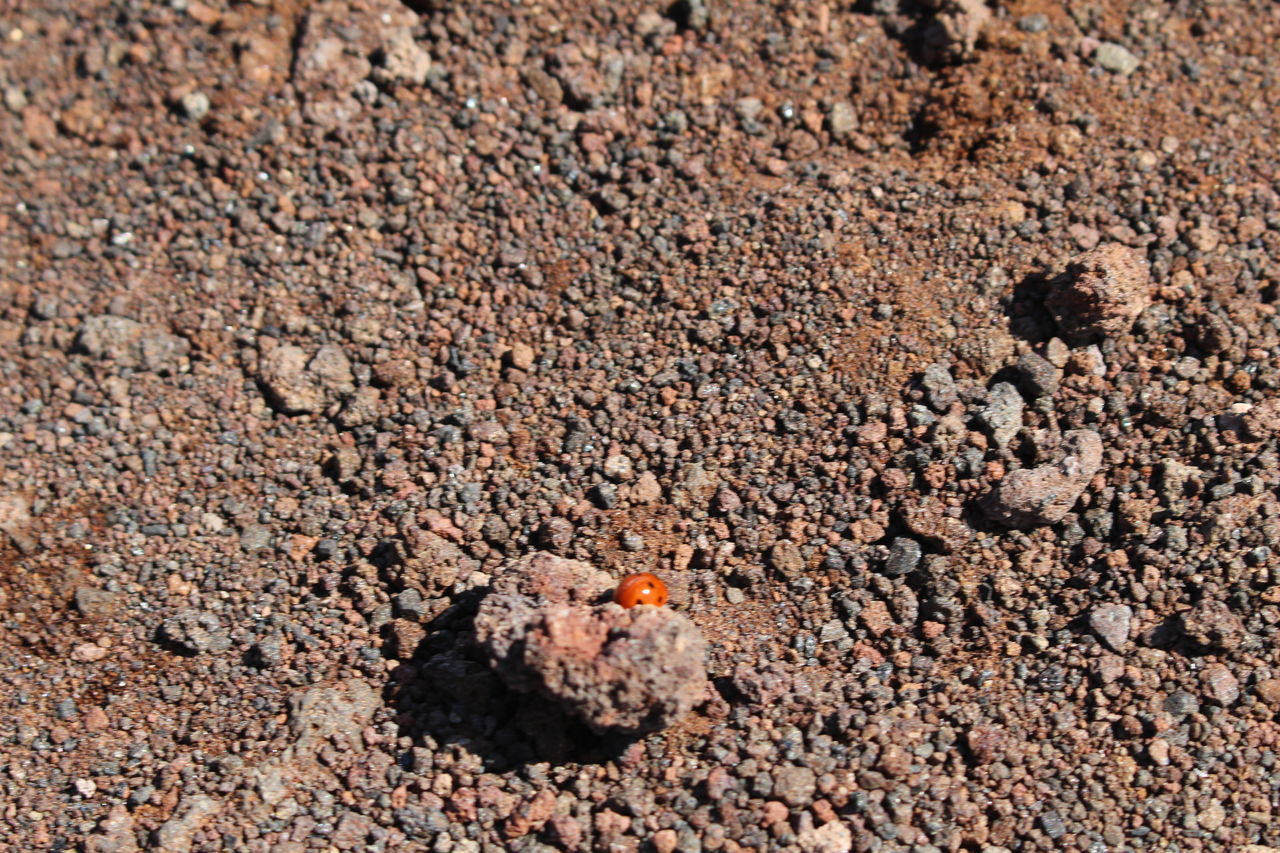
[(1030, 497), (297, 384), (131, 344), (1101, 293), (550, 627)]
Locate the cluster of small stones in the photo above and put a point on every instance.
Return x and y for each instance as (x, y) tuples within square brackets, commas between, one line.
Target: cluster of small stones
[(928, 351)]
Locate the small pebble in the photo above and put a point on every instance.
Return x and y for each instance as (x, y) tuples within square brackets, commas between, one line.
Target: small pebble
[(1116, 58)]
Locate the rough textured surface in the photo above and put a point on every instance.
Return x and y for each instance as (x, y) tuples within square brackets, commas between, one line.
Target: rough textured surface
[(555, 580), (1046, 493), (1212, 625), (299, 384), (1002, 416), (15, 520), (1101, 293), (1111, 622), (317, 319), (131, 344), (195, 632), (630, 671)]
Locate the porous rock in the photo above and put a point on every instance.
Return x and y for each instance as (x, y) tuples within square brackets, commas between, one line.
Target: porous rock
[(630, 671), (177, 834), (1212, 625), (1101, 292), (404, 59), (195, 632), (343, 708), (1220, 684), (1111, 622), (1002, 416), (1043, 495), (953, 32), (296, 384), (15, 518)]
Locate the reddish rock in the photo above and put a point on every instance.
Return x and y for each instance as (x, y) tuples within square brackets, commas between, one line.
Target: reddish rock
[(555, 534), (794, 785), (521, 356), (787, 559), (297, 384), (282, 374), (875, 617), (894, 761), (929, 519), (761, 683), (872, 433), (1101, 293), (115, 833), (1268, 690), (352, 831), (833, 837), (774, 812), (1112, 622), (985, 743), (554, 579), (1262, 421), (430, 561), (665, 841), (531, 816), (631, 671), (1043, 495), (1220, 685), (564, 831), (131, 344), (1212, 625), (608, 822), (15, 518), (718, 783)]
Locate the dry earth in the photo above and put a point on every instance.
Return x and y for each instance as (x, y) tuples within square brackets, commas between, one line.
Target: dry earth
[(315, 317)]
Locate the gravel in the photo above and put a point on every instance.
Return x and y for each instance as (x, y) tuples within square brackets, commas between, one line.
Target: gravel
[(928, 352)]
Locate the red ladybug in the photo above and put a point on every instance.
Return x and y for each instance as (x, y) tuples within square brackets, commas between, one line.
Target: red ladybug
[(643, 588)]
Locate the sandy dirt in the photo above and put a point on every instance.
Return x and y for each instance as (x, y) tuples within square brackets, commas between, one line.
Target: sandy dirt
[(928, 351)]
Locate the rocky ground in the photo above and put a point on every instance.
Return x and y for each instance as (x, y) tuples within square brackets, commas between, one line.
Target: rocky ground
[(928, 351)]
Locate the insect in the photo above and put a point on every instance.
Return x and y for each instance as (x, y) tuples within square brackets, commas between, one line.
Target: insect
[(642, 588)]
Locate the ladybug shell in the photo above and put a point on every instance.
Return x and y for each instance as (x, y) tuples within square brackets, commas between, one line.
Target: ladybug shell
[(643, 588)]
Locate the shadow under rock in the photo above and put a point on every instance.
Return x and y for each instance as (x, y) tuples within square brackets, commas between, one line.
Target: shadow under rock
[(446, 694), (1029, 319), (916, 26)]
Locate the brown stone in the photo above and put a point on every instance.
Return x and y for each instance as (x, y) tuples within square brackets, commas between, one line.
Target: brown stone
[(1220, 684), (1030, 497), (1101, 293)]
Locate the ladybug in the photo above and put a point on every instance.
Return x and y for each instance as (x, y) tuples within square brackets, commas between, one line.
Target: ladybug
[(642, 588)]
